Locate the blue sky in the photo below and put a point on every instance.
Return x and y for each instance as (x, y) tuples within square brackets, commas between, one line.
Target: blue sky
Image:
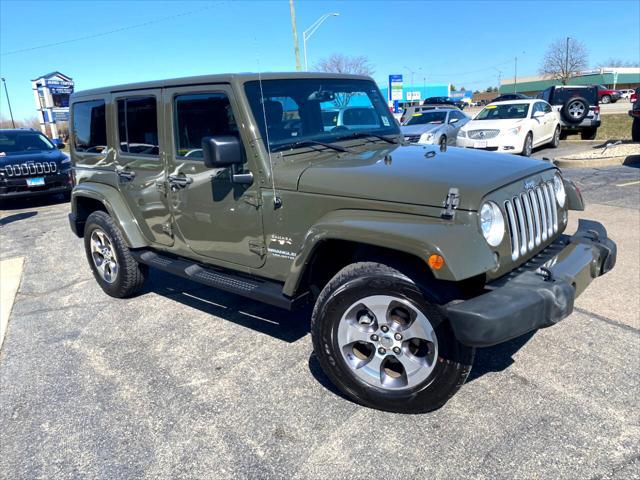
[(455, 42)]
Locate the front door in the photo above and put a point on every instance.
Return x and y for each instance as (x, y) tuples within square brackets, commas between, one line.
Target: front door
[(216, 217), (139, 164)]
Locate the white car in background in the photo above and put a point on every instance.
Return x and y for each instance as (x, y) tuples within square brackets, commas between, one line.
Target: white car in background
[(515, 126)]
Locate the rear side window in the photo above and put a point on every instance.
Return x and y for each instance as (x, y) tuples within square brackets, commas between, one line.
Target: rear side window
[(89, 126), (561, 95), (198, 116), (138, 125)]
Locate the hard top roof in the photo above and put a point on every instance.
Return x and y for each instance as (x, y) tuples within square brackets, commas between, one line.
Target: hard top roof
[(219, 78)]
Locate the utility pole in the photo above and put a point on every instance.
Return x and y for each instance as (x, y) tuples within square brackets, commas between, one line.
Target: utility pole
[(296, 47), (566, 64), (6, 92)]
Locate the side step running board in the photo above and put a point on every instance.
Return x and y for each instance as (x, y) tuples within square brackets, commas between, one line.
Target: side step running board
[(261, 290)]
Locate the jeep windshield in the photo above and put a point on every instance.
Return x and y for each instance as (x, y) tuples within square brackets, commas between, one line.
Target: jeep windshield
[(298, 112), (23, 142), (504, 112)]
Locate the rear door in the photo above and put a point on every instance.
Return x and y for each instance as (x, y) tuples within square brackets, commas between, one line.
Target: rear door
[(139, 164)]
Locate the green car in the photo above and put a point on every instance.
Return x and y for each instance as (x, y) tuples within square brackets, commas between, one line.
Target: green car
[(411, 256)]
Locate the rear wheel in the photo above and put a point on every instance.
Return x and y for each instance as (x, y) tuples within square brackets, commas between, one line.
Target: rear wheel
[(383, 344), (443, 142), (588, 134), (527, 146), (115, 270), (605, 99)]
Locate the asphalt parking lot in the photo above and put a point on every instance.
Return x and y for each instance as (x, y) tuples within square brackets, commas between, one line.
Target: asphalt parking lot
[(188, 382)]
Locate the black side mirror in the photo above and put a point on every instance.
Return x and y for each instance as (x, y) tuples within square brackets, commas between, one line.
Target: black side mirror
[(61, 146), (222, 151)]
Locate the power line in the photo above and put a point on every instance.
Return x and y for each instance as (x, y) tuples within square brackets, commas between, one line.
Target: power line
[(109, 32)]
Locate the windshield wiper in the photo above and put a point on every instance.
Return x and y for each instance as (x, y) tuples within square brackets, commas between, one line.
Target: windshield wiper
[(308, 143), (368, 134)]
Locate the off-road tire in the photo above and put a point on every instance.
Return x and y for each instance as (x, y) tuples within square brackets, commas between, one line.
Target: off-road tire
[(363, 279), (131, 274), (563, 134), (575, 119), (588, 133)]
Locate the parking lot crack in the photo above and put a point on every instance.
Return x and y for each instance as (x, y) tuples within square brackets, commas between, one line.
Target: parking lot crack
[(610, 321)]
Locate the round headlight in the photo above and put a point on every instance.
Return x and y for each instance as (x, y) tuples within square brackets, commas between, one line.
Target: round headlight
[(491, 223), (558, 187)]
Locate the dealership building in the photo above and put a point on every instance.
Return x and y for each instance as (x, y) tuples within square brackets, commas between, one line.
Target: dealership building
[(614, 78)]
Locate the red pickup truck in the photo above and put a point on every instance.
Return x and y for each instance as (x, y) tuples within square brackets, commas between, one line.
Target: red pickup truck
[(606, 95)]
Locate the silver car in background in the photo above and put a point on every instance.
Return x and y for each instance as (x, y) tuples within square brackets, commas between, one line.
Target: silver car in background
[(434, 127)]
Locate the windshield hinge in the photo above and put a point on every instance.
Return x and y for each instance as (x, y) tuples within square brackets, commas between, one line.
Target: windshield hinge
[(450, 204), (253, 198), (258, 247)]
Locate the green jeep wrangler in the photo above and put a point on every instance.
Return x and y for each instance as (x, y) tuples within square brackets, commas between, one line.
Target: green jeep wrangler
[(413, 256)]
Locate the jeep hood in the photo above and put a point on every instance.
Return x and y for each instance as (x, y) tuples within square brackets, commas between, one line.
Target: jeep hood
[(418, 175)]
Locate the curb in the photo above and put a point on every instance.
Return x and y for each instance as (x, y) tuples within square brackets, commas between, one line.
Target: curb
[(597, 162), (10, 275)]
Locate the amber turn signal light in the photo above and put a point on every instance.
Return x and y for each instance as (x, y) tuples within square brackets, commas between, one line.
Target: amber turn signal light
[(436, 262)]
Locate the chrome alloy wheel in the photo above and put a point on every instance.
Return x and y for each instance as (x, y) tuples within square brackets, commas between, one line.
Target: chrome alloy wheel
[(387, 342), (576, 109), (104, 256)]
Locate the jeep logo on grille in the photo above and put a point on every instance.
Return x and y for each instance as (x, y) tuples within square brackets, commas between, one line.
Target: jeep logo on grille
[(529, 184), (481, 134)]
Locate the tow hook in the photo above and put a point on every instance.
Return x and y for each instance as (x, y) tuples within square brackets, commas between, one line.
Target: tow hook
[(546, 274)]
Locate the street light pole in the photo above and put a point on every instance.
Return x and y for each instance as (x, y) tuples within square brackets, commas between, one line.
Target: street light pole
[(515, 75), (6, 92), (296, 45), (566, 64), (306, 35)]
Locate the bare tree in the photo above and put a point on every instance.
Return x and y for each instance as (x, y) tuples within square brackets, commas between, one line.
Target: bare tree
[(617, 62), (564, 59), (338, 63)]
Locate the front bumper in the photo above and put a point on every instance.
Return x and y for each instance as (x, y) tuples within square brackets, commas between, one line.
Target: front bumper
[(501, 143), (538, 294), (18, 188)]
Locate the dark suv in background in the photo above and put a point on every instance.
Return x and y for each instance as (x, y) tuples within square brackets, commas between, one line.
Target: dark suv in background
[(635, 114), (578, 107), (30, 164)]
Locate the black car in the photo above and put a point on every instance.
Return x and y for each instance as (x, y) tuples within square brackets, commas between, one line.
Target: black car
[(511, 96), (30, 164), (444, 101)]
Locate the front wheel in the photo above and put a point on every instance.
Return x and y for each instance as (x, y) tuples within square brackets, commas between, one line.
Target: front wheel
[(527, 146), (605, 99), (383, 344), (555, 140), (113, 266)]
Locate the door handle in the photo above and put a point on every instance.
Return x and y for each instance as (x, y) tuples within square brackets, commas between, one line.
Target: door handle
[(179, 181), (125, 174)]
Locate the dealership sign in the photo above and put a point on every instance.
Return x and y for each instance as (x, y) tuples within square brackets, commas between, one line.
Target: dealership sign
[(395, 87)]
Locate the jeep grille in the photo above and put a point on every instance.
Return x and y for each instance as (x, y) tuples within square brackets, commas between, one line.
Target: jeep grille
[(24, 169), (532, 217)]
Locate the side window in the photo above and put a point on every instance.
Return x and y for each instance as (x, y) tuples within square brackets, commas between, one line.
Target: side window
[(138, 125), (546, 95), (198, 116), (547, 108), (89, 126)]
